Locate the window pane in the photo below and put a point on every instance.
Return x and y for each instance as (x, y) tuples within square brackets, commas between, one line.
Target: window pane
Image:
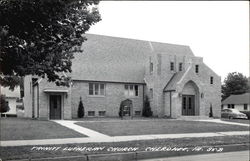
[(91, 88), (172, 66), (136, 90), (126, 90), (102, 113), (131, 90), (196, 68), (96, 88), (102, 89), (211, 80), (180, 67)]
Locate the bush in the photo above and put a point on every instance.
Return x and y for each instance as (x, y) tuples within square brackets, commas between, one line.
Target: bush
[(146, 112), (211, 111), (80, 109), (4, 106)]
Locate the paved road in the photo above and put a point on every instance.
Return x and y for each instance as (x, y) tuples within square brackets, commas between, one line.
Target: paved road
[(228, 156)]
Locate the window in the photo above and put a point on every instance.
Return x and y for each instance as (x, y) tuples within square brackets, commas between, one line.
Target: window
[(131, 90), (91, 113), (228, 106), (102, 113), (96, 89), (232, 105), (171, 66), (137, 113), (151, 93), (151, 68), (245, 106), (196, 68), (180, 66), (211, 80)]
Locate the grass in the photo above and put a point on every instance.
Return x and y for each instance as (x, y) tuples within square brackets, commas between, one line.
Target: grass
[(26, 152), (28, 129), (243, 121), (163, 126)]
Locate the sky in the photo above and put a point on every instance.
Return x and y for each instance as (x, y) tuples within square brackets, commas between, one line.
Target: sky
[(218, 31)]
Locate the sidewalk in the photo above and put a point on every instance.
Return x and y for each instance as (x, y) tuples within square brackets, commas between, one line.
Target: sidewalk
[(94, 137), (224, 122), (227, 156)]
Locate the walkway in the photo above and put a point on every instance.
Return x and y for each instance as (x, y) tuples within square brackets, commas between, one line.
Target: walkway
[(224, 122), (95, 137), (228, 156)]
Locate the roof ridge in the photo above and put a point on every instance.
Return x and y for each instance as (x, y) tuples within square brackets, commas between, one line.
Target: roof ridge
[(138, 39)]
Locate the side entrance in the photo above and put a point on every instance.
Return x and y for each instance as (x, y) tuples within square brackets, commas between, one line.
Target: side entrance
[(55, 106)]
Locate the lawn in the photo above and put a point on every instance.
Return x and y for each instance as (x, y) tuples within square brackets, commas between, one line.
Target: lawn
[(242, 121), (23, 152), (28, 129), (162, 126)]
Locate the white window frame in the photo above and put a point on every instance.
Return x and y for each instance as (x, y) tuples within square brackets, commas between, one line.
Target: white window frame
[(130, 90), (96, 89)]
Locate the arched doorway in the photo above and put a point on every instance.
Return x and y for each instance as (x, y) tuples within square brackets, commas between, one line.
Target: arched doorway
[(190, 99)]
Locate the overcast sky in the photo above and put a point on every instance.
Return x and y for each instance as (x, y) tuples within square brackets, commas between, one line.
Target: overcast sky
[(216, 31)]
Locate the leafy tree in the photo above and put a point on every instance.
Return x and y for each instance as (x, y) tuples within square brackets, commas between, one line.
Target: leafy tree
[(4, 106), (234, 83), (146, 112), (80, 109), (39, 37)]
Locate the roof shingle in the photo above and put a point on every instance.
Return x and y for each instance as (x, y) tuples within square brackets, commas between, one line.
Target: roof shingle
[(106, 58), (238, 99)]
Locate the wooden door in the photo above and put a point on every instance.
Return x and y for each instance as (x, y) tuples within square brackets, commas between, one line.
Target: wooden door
[(55, 107), (188, 105)]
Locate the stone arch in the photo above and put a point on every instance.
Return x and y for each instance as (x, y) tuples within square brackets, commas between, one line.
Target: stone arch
[(190, 99)]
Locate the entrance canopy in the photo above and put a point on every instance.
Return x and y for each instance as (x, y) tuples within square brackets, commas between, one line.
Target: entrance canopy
[(56, 90)]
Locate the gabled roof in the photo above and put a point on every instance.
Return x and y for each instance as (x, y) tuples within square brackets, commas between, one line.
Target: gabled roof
[(9, 93), (171, 85), (238, 99), (107, 58)]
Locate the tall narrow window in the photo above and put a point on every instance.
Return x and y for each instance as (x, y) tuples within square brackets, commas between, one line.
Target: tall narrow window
[(151, 93), (196, 68), (151, 68), (171, 66), (180, 66), (211, 80), (245, 106)]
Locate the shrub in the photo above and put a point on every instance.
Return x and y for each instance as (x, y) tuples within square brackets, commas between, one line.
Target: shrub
[(211, 111), (80, 109), (4, 106), (146, 112)]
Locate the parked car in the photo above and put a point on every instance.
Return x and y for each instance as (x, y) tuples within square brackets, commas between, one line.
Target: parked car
[(233, 114)]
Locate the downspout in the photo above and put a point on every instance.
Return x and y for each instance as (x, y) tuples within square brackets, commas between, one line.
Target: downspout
[(37, 100), (143, 92), (170, 103)]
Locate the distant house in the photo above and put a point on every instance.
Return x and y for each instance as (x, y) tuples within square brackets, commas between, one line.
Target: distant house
[(112, 69), (11, 98), (240, 102)]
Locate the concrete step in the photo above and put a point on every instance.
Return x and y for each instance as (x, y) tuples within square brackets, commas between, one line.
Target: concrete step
[(194, 117)]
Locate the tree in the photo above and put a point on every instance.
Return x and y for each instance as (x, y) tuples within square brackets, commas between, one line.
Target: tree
[(234, 83), (4, 106), (80, 109), (146, 112), (39, 37)]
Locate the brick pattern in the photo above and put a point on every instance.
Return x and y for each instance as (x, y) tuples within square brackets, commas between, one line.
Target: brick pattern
[(114, 94), (208, 95)]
